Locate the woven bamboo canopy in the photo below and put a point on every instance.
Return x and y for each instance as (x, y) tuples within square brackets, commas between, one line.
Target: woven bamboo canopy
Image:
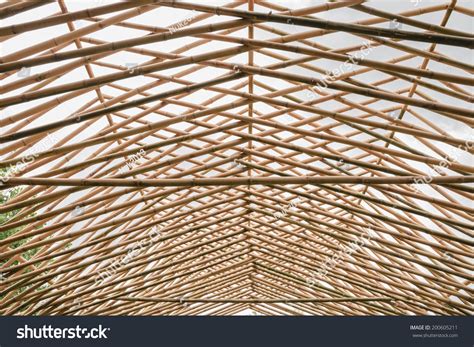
[(220, 158)]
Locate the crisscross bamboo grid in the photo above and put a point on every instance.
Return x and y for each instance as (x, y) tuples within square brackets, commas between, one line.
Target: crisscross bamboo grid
[(220, 158)]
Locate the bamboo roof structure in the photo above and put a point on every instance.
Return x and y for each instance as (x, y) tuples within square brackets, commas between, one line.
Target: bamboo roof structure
[(231, 157)]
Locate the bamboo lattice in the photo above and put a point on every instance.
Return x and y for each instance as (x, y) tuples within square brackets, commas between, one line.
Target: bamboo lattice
[(284, 157)]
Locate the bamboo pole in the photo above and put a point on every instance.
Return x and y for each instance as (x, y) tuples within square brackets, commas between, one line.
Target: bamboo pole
[(325, 24), (100, 112), (22, 6), (410, 21), (71, 16), (240, 181), (255, 301), (119, 45)]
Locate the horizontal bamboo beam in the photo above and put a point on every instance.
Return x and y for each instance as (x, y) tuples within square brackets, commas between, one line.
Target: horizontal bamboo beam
[(236, 181), (257, 301)]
